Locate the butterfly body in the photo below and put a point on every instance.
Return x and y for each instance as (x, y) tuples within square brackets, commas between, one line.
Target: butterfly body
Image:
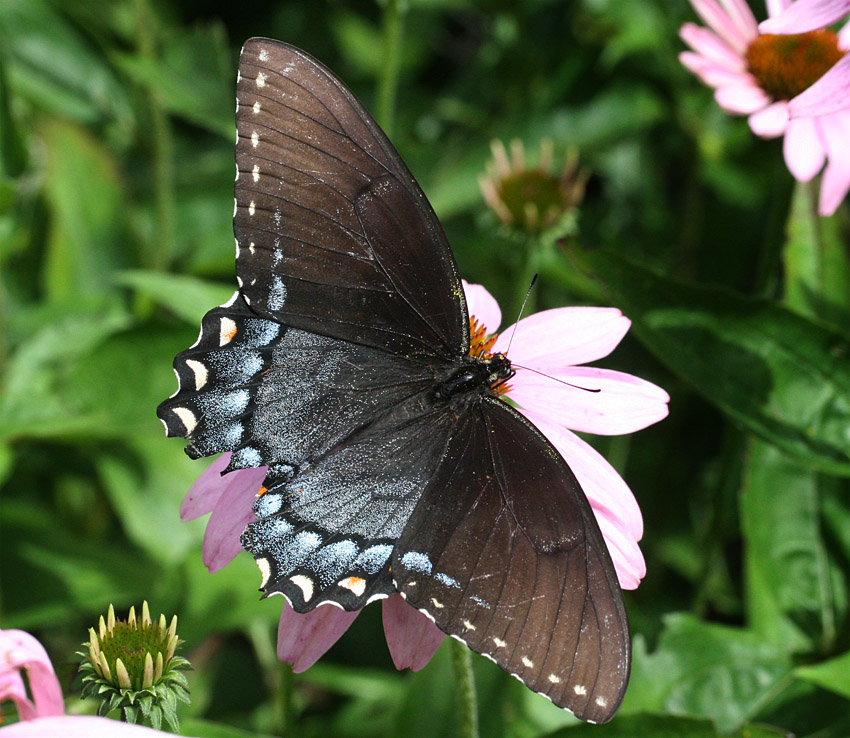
[(343, 365)]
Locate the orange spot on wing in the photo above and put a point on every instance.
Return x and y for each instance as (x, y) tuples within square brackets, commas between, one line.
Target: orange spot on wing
[(263, 489), (232, 332)]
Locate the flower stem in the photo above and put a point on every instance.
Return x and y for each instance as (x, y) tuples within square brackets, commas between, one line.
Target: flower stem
[(276, 675), (467, 702), (393, 23)]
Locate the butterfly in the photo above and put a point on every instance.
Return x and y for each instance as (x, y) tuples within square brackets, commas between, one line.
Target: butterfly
[(343, 364)]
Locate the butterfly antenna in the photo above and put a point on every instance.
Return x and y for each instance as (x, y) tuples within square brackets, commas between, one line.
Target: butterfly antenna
[(555, 379), (521, 310)]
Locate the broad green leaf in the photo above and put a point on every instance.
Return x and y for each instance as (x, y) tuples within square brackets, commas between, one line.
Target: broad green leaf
[(789, 590), (833, 674), (53, 65), (85, 197), (192, 78), (704, 670), (817, 266), (664, 726), (781, 375), (146, 490), (208, 729), (187, 297)]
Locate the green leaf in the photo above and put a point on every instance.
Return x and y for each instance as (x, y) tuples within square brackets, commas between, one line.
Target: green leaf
[(790, 598), (833, 674), (187, 297), (663, 726), (208, 729), (782, 376), (85, 196), (704, 670)]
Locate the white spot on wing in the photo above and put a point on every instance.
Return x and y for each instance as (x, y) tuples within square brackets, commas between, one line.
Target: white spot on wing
[(468, 625), (252, 247), (256, 108), (252, 207), (261, 79), (265, 570), (255, 139), (200, 372), (601, 701), (187, 417), (305, 584), (256, 173), (264, 55), (499, 642), (580, 689), (436, 603), (527, 662), (354, 584), (554, 678), (226, 331)]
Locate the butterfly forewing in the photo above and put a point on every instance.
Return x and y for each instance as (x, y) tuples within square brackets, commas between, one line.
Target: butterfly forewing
[(333, 234), (504, 553)]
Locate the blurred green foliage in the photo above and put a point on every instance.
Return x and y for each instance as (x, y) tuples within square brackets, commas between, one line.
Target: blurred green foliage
[(116, 170)]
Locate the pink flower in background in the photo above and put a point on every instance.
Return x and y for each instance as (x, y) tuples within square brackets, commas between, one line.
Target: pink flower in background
[(554, 343), (831, 93), (42, 715), (761, 74)]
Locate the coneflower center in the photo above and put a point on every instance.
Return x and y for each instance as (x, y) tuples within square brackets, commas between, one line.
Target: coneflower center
[(480, 345), (785, 65)]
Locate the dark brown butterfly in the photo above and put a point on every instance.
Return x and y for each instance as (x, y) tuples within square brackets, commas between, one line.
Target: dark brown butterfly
[(343, 364)]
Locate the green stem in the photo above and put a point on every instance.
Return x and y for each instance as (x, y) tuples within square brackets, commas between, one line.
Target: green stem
[(393, 23), (467, 702), (276, 675)]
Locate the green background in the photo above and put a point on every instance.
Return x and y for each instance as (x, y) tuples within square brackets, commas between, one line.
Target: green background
[(116, 175)]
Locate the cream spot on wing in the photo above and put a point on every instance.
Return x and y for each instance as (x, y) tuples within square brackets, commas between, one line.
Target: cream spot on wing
[(187, 417), (554, 678), (527, 662), (256, 108), (580, 689), (601, 701), (437, 604), (354, 584), (265, 570), (261, 79), (499, 642), (468, 625), (255, 139), (256, 173), (264, 55), (305, 584), (200, 372), (252, 247), (252, 207), (237, 248), (226, 332)]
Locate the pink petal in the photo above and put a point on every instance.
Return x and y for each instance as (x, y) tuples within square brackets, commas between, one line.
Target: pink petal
[(564, 336), (742, 99), (303, 639), (204, 493), (20, 650), (483, 306), (806, 15), (770, 122), (708, 45), (78, 726), (775, 7), (625, 403), (12, 687), (804, 151), (844, 38), (711, 73), (741, 15), (836, 177), (830, 94), (411, 636), (613, 503), (719, 21), (233, 511)]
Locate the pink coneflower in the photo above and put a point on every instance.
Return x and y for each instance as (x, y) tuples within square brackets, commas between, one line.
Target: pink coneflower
[(41, 709), (758, 74), (550, 387), (831, 93)]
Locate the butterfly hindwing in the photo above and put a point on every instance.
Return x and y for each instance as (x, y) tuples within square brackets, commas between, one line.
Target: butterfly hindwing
[(333, 234), (504, 553)]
